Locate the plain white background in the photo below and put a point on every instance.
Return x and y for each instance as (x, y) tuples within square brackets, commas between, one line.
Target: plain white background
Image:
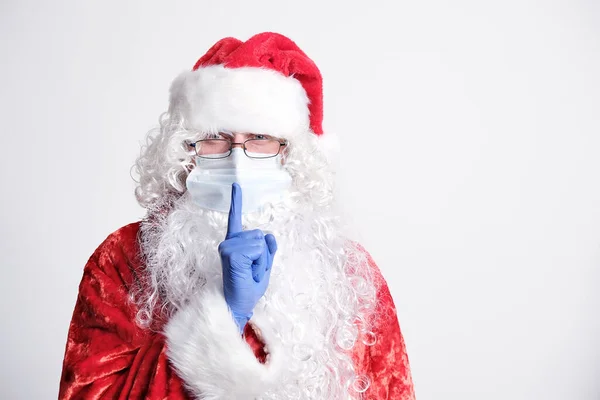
[(470, 164)]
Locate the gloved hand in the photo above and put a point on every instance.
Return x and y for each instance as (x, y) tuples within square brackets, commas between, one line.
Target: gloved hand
[(246, 259)]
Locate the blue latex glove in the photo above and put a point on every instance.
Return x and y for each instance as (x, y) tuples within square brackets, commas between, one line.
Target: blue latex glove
[(246, 259)]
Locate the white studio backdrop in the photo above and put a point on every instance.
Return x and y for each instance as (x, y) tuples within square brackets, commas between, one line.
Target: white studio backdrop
[(470, 136)]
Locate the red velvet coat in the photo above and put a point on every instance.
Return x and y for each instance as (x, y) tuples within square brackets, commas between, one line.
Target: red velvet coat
[(109, 357)]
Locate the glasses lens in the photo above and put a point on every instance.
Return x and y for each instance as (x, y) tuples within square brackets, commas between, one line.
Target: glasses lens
[(213, 148), (262, 148)]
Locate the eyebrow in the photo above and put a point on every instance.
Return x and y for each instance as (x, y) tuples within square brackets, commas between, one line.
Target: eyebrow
[(224, 133)]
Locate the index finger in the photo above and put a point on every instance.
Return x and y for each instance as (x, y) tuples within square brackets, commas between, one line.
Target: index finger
[(234, 224)]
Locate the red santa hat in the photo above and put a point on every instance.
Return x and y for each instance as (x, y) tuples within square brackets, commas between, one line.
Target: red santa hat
[(265, 85)]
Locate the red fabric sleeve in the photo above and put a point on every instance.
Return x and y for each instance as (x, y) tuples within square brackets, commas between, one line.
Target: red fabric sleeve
[(386, 362), (107, 355)]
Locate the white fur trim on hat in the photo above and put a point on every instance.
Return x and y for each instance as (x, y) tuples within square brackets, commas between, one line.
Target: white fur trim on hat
[(245, 100), (213, 359)]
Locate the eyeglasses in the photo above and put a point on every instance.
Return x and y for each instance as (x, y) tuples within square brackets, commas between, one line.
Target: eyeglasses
[(253, 148)]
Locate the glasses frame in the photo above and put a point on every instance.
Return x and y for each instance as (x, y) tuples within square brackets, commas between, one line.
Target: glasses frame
[(282, 143)]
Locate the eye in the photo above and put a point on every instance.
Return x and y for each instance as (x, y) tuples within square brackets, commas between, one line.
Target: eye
[(261, 137)]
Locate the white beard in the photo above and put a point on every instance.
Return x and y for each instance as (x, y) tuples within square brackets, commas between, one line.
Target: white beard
[(320, 286)]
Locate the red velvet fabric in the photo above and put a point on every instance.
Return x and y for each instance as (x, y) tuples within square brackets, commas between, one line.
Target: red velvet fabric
[(276, 52), (108, 356)]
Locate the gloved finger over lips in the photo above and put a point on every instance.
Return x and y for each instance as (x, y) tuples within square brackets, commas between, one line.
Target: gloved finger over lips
[(234, 222)]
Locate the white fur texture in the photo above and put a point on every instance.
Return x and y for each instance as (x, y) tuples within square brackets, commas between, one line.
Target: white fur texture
[(320, 297), (246, 99), (215, 362)]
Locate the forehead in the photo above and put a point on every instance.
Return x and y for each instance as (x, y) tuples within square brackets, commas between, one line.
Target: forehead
[(231, 133), (245, 134)]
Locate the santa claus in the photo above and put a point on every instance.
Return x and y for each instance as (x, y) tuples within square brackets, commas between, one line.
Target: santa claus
[(238, 284)]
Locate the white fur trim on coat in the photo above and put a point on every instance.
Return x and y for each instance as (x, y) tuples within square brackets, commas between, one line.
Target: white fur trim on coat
[(213, 359), (245, 100)]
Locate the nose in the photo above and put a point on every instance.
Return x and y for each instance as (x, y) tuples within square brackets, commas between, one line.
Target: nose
[(238, 140)]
